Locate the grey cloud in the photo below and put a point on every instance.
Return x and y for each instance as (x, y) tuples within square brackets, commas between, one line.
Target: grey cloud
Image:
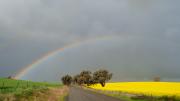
[(30, 29)]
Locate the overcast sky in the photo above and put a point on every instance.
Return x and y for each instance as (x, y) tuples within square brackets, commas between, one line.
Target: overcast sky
[(149, 32)]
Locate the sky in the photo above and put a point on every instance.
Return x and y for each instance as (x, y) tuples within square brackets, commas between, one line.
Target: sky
[(144, 37)]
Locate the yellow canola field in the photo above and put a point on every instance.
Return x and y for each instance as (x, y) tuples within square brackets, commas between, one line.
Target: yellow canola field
[(145, 88)]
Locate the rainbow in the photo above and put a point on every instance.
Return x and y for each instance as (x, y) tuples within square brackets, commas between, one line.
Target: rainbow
[(77, 43)]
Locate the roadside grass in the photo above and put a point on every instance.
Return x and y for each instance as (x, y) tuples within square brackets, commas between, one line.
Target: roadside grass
[(29, 94), (63, 97), (20, 90), (143, 97)]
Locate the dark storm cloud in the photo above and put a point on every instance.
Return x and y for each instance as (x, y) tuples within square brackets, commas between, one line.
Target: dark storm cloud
[(29, 29)]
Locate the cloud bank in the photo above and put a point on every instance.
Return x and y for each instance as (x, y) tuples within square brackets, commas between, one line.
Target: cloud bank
[(30, 29)]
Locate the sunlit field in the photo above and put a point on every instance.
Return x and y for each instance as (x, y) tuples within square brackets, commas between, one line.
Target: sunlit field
[(144, 88)]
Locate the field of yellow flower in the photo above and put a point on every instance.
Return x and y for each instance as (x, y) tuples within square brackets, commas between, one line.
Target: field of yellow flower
[(145, 88)]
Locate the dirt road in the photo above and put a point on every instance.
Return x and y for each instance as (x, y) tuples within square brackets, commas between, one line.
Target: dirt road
[(78, 94)]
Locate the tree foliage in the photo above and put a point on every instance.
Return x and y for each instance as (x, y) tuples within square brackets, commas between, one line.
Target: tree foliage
[(102, 76), (157, 79), (76, 79), (88, 78), (66, 80)]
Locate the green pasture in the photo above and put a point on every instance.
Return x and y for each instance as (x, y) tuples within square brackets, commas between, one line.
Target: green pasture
[(10, 85)]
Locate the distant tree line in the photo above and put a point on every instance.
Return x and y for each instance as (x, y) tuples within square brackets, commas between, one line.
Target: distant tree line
[(87, 77)]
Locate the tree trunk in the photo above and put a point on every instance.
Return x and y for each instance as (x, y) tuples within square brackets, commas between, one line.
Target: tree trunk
[(102, 84)]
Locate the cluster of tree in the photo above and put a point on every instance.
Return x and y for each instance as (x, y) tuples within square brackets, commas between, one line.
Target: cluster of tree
[(88, 78)]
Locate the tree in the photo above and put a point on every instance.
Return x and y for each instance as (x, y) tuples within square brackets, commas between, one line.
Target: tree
[(67, 80), (81, 80), (86, 75), (157, 79), (102, 76), (92, 82), (10, 77), (75, 79)]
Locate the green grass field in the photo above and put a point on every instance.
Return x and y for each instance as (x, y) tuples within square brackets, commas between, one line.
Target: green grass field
[(10, 85), (21, 90)]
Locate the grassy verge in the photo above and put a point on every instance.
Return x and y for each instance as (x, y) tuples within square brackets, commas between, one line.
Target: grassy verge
[(144, 98), (38, 94), (63, 97), (29, 94)]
